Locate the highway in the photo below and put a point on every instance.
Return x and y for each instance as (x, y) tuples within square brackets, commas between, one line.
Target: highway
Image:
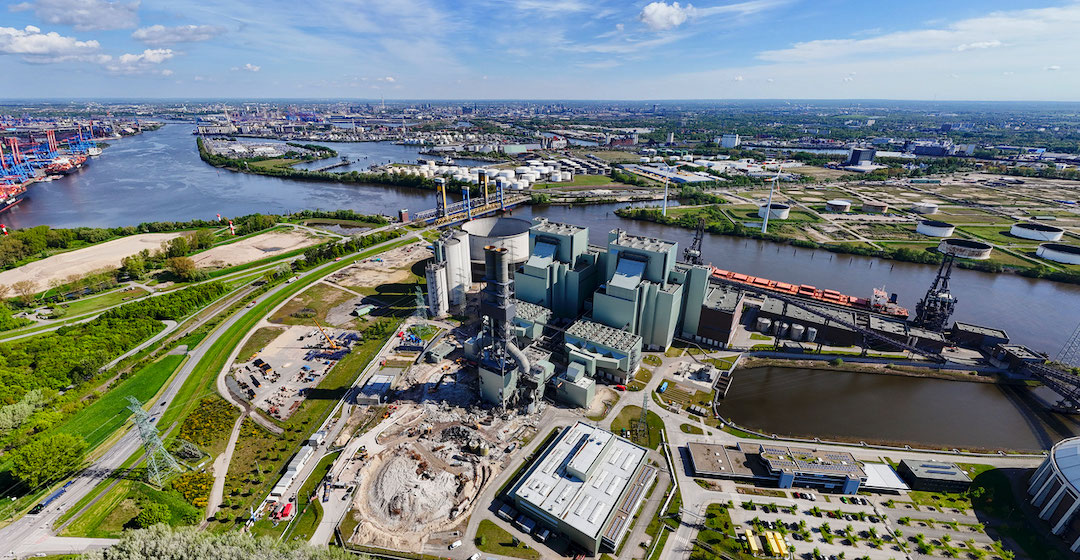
[(33, 534)]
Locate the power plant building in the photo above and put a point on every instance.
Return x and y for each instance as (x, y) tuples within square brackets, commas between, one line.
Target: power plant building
[(1055, 491), (587, 484)]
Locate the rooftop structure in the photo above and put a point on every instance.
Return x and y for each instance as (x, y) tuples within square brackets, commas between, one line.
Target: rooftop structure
[(587, 485), (934, 476), (604, 335), (784, 466)]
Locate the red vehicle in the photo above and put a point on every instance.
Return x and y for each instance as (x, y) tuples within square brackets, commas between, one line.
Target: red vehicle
[(285, 511), (621, 387)]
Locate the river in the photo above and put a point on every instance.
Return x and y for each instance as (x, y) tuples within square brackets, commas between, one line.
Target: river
[(158, 176), (890, 408)]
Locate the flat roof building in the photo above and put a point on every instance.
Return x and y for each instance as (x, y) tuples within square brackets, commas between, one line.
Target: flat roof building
[(375, 390), (604, 351), (586, 485), (934, 476), (785, 466)]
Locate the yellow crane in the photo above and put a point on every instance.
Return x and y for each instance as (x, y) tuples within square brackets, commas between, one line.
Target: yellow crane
[(333, 345)]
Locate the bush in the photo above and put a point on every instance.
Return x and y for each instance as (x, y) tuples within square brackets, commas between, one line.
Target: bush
[(194, 487), (211, 420), (152, 513), (836, 362)]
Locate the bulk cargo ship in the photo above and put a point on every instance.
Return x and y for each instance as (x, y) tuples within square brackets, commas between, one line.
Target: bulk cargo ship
[(879, 302)]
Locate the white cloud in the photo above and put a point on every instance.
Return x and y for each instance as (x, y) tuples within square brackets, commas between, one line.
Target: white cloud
[(161, 35), (660, 16), (1053, 68), (738, 78), (979, 45), (249, 67), (1018, 28), (85, 14), (142, 63), (35, 46)]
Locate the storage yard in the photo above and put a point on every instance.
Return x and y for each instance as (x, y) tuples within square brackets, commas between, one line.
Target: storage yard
[(388, 268), (278, 378)]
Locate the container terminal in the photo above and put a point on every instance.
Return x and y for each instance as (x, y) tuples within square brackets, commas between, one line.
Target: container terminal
[(25, 162)]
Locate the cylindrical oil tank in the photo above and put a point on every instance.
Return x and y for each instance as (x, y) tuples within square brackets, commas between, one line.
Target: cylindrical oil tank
[(1038, 232), (924, 208), (1059, 252), (782, 329), (838, 205), (875, 207), (966, 248), (511, 233), (567, 176), (776, 211), (797, 331), (934, 228), (811, 334), (556, 178), (763, 324)]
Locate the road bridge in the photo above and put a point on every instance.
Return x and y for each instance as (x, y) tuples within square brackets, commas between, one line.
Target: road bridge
[(447, 213)]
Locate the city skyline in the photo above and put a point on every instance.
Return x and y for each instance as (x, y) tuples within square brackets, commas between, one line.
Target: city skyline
[(528, 49)]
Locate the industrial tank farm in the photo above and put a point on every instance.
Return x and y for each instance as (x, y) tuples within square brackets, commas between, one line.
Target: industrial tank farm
[(966, 248), (935, 228), (1038, 232), (1059, 252), (509, 233), (776, 211)]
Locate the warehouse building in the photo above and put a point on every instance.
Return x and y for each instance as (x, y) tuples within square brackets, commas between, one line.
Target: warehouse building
[(976, 336), (934, 476), (828, 331), (586, 485), (720, 315), (1055, 491)]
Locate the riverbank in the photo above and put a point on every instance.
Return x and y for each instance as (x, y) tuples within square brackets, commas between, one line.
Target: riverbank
[(971, 376), (717, 222)]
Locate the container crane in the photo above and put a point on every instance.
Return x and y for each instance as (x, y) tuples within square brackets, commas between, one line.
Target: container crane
[(333, 345), (934, 309)]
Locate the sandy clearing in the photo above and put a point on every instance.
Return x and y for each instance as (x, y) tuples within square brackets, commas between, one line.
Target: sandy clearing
[(254, 248), (83, 261), (391, 267)]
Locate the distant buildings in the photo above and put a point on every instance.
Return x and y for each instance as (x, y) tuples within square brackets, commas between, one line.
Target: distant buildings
[(861, 157), (729, 141)]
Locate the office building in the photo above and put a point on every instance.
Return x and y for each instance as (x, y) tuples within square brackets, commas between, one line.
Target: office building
[(587, 484), (784, 466), (729, 141), (860, 157)]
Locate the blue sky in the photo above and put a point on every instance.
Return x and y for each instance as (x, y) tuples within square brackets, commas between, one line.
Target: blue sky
[(542, 49)]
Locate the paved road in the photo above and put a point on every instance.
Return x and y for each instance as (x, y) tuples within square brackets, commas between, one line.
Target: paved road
[(33, 534)]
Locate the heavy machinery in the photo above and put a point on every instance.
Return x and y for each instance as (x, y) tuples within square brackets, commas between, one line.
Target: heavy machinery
[(934, 309), (333, 345), (692, 254)]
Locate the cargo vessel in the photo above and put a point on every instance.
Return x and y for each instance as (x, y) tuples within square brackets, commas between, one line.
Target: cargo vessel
[(879, 302), (9, 198), (65, 164)]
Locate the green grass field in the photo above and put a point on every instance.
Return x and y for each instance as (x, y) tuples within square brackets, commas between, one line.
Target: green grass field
[(117, 509), (497, 540), (103, 417), (624, 422), (96, 303), (272, 163)]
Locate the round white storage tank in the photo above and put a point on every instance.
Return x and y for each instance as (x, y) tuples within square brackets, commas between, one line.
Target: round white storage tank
[(1038, 232), (1059, 252), (924, 208), (966, 248), (509, 233), (811, 334), (567, 176), (519, 170), (797, 332), (458, 267), (934, 228), (763, 324), (776, 211)]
